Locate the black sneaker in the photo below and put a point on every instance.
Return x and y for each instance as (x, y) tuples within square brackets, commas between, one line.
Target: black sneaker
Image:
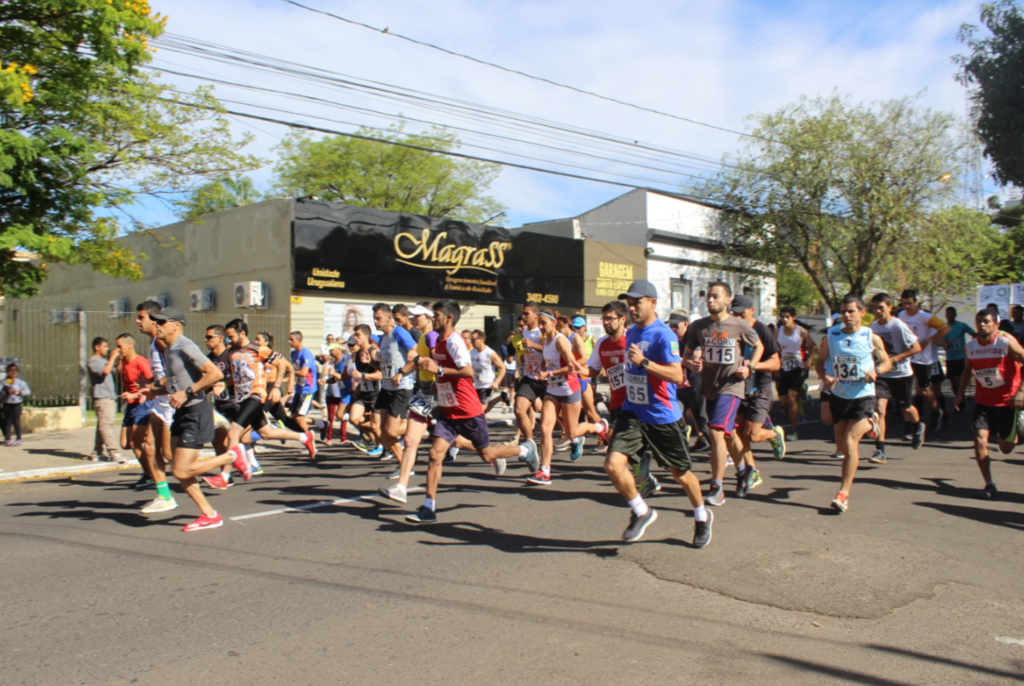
[(702, 531), (989, 493), (741, 484), (144, 482), (424, 515), (700, 446), (936, 420), (638, 525), (918, 436)]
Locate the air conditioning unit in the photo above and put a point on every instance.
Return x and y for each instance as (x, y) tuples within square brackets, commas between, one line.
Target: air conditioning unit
[(249, 294), (57, 315), (201, 301), (71, 314), (163, 300), (116, 309)]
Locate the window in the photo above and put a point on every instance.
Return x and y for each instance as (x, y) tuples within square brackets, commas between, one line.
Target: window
[(755, 295), (682, 294)]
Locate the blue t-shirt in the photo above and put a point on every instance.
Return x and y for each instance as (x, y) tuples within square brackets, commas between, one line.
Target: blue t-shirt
[(304, 358), (955, 346), (651, 399)]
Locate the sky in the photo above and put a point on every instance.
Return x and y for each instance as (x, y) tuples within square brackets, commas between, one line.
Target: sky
[(716, 63)]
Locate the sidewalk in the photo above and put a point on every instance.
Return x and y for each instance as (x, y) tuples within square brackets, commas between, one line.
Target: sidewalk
[(52, 454)]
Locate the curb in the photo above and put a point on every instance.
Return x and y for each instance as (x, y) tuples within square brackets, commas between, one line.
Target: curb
[(55, 472)]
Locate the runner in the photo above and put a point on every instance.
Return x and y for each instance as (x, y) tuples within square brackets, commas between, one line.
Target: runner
[(582, 348), (463, 414), (724, 370), (897, 384), (305, 380), (488, 371), (955, 345), (396, 384), (650, 418), (798, 349), (339, 393), (930, 332), (562, 397), (279, 377), (224, 405), (136, 373), (994, 360), (753, 423), (366, 378), (694, 404), (850, 359)]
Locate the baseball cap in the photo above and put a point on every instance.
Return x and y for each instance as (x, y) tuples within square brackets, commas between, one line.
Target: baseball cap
[(678, 317), (352, 341), (741, 304), (577, 322), (419, 309), (640, 289), (169, 314)]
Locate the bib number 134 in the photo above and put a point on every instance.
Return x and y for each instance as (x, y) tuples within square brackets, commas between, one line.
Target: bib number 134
[(636, 389)]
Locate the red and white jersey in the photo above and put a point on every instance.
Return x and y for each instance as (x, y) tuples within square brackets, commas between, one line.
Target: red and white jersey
[(456, 396), (996, 374), (610, 356), (559, 385)]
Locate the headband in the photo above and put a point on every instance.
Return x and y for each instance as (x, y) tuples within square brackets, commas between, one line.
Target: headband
[(549, 315)]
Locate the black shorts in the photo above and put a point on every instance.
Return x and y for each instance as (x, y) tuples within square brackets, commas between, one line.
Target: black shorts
[(395, 403), (928, 373), (900, 390), (250, 414), (193, 425), (688, 397), (850, 410), (757, 406), (792, 380), (954, 370), (667, 442), (226, 410), (485, 395), (367, 399), (1001, 421), (531, 389)]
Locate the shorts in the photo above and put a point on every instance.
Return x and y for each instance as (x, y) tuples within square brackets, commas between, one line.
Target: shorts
[(395, 403), (161, 407), (899, 390), (792, 380), (485, 395), (510, 379), (531, 389), (300, 403), (424, 408), (850, 410), (688, 397), (367, 399), (1002, 421), (928, 373), (667, 442), (954, 370), (722, 413), (193, 425), (583, 385), (136, 414), (473, 429), (757, 406), (250, 414), (574, 397), (226, 410)]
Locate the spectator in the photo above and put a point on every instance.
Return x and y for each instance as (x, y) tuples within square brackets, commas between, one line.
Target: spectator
[(104, 401), (13, 394), (325, 349)]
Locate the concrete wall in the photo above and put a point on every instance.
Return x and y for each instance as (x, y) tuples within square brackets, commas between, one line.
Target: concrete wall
[(622, 220)]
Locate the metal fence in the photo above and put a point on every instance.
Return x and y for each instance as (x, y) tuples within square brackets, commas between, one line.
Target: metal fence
[(53, 347)]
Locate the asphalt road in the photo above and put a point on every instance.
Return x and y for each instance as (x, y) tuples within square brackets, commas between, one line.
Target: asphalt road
[(919, 583)]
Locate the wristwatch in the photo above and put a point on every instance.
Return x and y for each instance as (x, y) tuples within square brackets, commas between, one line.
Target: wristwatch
[(645, 363), (190, 393)]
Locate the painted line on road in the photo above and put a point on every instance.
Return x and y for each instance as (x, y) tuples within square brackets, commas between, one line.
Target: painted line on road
[(313, 506), (1010, 641)]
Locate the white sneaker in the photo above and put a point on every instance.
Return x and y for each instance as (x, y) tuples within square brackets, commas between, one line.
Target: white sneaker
[(396, 493), (499, 466), (160, 505)]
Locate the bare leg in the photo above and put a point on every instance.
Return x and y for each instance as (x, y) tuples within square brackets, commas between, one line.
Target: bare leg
[(413, 436), (548, 419)]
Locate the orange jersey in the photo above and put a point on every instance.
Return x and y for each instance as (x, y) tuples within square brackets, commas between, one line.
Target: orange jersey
[(247, 372)]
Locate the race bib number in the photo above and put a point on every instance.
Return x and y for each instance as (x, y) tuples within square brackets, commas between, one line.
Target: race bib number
[(531, 365), (617, 376), (791, 362), (388, 370), (636, 389), (954, 346), (989, 377), (848, 369), (446, 394), (720, 351), (934, 369), (556, 380)]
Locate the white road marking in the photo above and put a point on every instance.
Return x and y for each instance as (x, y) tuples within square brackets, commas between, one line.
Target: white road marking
[(313, 506), (1010, 641)]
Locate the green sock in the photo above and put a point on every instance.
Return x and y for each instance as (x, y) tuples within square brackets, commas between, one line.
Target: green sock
[(163, 490)]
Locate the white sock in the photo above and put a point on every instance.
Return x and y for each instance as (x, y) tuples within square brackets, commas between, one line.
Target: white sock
[(454, 451), (523, 451), (304, 438), (429, 504), (638, 506), (546, 470), (700, 513)]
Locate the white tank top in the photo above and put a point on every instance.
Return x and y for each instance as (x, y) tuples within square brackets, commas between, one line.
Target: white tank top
[(483, 371), (557, 385), (791, 348)]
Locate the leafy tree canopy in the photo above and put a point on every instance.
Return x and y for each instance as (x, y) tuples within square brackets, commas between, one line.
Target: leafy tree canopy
[(222, 193)]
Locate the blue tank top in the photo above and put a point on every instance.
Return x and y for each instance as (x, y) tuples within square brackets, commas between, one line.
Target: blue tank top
[(850, 358)]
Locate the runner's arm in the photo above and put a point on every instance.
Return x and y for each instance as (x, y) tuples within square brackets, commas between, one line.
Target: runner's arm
[(562, 346), (772, 364), (883, 363), (909, 352), (429, 364), (965, 381), (667, 371), (819, 365), (499, 370), (812, 347)]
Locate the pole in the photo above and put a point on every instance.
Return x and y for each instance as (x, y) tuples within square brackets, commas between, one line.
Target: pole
[(83, 367)]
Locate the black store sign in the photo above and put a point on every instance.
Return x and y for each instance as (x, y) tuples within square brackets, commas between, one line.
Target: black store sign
[(348, 249)]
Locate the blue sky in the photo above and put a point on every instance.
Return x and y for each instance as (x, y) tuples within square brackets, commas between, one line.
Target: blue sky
[(714, 62)]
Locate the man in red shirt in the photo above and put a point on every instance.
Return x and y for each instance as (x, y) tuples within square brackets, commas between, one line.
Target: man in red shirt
[(135, 373), (464, 416)]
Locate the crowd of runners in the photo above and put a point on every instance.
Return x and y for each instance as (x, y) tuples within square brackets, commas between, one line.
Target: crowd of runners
[(677, 387)]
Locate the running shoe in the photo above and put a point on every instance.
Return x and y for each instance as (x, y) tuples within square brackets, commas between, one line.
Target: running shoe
[(577, 450), (702, 531), (753, 479), (603, 429), (700, 446), (450, 456), (716, 496), (638, 525), (513, 441), (218, 481), (779, 443), (144, 482), (424, 515), (396, 493), (936, 420), (741, 483), (204, 522), (17, 442), (917, 438), (908, 436), (540, 478), (376, 451), (531, 459), (361, 445), (729, 461), (792, 437), (944, 419), (989, 492), (310, 446), (160, 505), (241, 464), (386, 455), (841, 502), (563, 446), (689, 431), (838, 455), (8, 443), (649, 486), (499, 465), (258, 471), (602, 449), (878, 457), (873, 426)]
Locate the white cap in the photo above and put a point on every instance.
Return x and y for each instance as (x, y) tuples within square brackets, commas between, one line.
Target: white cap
[(419, 309)]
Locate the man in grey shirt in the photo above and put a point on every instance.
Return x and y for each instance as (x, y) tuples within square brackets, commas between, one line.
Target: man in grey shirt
[(104, 401)]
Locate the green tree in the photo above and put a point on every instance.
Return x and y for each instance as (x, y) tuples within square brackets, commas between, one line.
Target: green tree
[(388, 177), (994, 70), (1011, 222), (84, 133), (794, 288), (222, 193), (836, 188)]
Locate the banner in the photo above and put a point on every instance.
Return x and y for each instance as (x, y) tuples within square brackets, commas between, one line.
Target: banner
[(998, 295), (347, 249)]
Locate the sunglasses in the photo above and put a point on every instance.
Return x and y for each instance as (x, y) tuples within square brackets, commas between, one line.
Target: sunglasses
[(210, 338)]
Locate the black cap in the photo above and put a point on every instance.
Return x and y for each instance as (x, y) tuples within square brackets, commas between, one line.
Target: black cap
[(352, 341), (169, 314), (640, 289), (741, 304), (677, 318)]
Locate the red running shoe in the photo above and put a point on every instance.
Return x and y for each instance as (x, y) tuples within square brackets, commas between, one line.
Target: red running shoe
[(220, 482), (204, 522), (540, 478), (240, 463), (310, 445)]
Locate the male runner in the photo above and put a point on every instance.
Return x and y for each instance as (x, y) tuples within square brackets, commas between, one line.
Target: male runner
[(366, 379), (224, 404), (994, 360), (488, 371), (305, 380), (463, 413), (136, 374), (850, 360), (695, 405), (797, 349), (930, 332), (724, 370), (529, 388), (396, 385), (650, 417), (897, 384), (161, 413), (955, 346)]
